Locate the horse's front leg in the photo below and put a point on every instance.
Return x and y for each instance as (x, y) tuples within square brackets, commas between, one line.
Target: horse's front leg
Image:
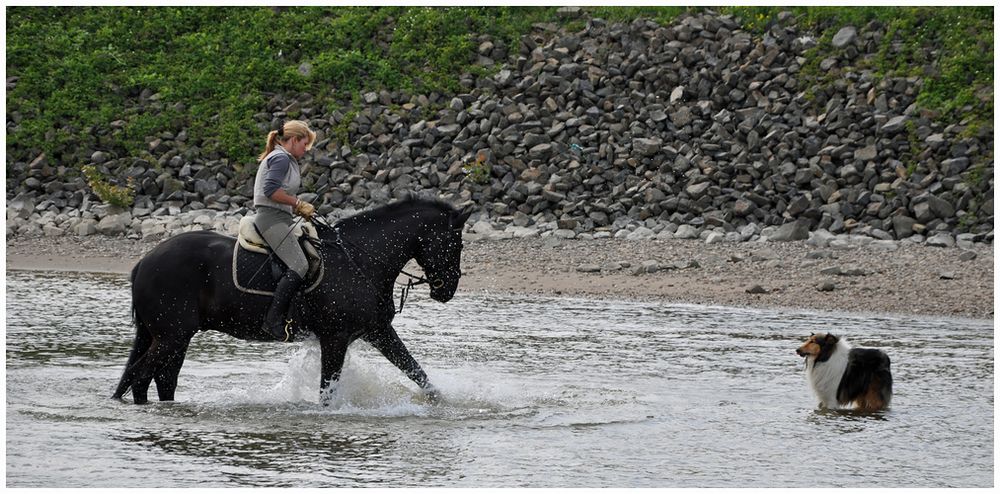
[(333, 349), (387, 341)]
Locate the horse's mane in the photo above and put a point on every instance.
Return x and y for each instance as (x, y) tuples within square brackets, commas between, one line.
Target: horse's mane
[(408, 203)]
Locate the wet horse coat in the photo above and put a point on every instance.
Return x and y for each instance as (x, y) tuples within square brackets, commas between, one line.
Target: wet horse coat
[(185, 285)]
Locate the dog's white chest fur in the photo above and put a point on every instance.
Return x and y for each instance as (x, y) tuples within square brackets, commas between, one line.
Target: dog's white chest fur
[(824, 377)]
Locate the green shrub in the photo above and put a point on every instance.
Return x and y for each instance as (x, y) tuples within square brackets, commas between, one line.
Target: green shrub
[(114, 195), (478, 170)]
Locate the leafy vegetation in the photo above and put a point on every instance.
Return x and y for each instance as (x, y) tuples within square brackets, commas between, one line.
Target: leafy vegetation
[(208, 70), (478, 171), (115, 195)]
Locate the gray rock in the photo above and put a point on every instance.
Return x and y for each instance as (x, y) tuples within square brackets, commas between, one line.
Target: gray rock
[(954, 166), (522, 232), (99, 157), (114, 224), (85, 227), (764, 255), (885, 245), (940, 207), (641, 233), (880, 234), (821, 254), (743, 207), (840, 244), (503, 77), (649, 267), (844, 37), (540, 152), (866, 153), (482, 227), (922, 211), (677, 94), (748, 231), (941, 240), (647, 147), (689, 264), (449, 130), (820, 238), (686, 231), (756, 289), (796, 230), (967, 255), (682, 116), (903, 225), (20, 208), (614, 266), (895, 124), (826, 286), (697, 190), (588, 268), (715, 237)]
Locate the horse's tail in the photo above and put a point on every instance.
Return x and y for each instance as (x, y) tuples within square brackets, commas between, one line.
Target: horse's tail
[(131, 280), (142, 342)]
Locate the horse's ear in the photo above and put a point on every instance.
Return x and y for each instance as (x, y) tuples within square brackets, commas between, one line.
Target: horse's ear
[(459, 218)]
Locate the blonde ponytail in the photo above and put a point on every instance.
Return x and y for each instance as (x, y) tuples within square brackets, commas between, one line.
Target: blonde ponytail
[(291, 128), (272, 138)]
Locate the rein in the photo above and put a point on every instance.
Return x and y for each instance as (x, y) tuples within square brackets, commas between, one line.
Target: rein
[(342, 242)]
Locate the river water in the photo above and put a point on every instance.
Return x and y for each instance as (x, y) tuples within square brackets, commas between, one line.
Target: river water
[(539, 392)]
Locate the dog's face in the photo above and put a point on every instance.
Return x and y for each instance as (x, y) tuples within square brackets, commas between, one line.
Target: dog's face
[(819, 346)]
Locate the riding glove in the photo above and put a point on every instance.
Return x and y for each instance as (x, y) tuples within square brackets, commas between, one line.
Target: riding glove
[(304, 209)]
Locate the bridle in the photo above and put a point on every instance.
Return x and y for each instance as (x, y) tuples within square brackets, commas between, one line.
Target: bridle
[(342, 242)]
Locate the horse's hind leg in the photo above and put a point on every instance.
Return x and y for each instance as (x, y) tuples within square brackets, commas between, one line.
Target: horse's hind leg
[(166, 376), (141, 375), (140, 346), (161, 361)]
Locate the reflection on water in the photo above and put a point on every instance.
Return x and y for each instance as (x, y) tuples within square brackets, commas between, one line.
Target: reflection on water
[(539, 392)]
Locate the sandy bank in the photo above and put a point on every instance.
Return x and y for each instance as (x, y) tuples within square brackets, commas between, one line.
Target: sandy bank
[(913, 279)]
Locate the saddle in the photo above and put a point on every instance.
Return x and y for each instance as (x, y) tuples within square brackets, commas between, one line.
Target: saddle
[(256, 271)]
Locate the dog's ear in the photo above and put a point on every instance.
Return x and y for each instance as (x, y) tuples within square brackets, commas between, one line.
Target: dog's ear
[(831, 338)]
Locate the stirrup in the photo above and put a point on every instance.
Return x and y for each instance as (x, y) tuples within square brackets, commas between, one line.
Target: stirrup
[(288, 331)]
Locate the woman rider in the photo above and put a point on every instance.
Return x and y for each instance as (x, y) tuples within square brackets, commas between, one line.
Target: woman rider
[(278, 180)]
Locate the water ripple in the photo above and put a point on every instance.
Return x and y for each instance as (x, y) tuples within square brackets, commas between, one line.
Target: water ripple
[(539, 392)]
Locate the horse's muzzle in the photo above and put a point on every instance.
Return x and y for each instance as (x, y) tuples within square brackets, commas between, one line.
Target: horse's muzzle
[(441, 291)]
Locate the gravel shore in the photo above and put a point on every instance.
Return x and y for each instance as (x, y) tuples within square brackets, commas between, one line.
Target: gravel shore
[(912, 279)]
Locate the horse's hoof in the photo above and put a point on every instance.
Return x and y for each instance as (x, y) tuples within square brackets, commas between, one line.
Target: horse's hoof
[(433, 396)]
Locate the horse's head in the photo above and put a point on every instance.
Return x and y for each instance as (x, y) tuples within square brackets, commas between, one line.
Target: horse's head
[(439, 253)]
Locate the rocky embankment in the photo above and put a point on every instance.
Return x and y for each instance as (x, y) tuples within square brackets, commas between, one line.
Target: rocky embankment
[(697, 129)]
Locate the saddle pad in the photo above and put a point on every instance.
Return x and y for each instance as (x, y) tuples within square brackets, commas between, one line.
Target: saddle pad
[(252, 272), (251, 240)]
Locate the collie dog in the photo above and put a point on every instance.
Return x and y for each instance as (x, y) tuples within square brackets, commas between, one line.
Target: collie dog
[(841, 375)]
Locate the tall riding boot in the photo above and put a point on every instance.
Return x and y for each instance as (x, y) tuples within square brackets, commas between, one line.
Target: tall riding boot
[(276, 321)]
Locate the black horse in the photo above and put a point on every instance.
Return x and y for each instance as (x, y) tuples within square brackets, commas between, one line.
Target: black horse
[(185, 285)]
